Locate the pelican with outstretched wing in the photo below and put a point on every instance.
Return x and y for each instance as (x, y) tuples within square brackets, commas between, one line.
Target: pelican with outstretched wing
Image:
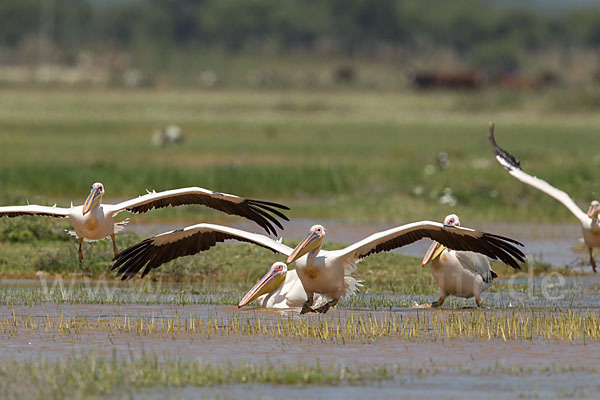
[(590, 221), (95, 221), (320, 271), (458, 273)]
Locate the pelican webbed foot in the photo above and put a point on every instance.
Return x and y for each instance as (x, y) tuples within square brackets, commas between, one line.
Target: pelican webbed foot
[(592, 260), (438, 303), (306, 308), (325, 307)]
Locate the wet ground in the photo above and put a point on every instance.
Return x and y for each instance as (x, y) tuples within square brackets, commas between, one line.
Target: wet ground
[(24, 343), (463, 367), (450, 386), (54, 323)]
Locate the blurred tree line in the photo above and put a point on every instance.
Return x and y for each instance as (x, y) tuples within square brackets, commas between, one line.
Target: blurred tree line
[(482, 32)]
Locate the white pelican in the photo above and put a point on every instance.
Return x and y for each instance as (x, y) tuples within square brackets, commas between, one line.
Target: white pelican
[(590, 221), (320, 271), (458, 273), (95, 221), (281, 288)]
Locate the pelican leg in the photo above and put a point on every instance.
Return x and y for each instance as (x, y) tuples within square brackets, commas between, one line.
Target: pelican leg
[(115, 250), (325, 307), (439, 301), (307, 306), (592, 261), (80, 250)]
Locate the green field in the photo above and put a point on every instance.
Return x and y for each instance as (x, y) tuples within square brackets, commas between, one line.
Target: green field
[(347, 155), (354, 156)]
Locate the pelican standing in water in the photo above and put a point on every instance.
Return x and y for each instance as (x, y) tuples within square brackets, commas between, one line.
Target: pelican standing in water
[(458, 273), (320, 271), (95, 221), (590, 221), (281, 289)]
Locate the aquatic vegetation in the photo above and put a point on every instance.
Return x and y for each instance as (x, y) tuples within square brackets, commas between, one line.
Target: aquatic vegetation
[(569, 326), (79, 376)]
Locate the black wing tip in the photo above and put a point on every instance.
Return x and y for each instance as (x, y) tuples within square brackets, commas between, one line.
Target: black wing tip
[(261, 214), (269, 203), (500, 152), (504, 238)]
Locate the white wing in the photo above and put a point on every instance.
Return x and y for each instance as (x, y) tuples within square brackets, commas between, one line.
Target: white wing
[(15, 211), (513, 166), (256, 210), (157, 250), (453, 237), (476, 263)]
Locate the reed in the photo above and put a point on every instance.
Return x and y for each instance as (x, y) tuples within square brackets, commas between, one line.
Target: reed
[(572, 326)]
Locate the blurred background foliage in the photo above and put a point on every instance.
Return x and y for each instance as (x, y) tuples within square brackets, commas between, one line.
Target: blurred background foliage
[(178, 42), (302, 101)]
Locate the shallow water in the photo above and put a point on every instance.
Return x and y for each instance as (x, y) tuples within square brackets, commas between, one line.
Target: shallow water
[(220, 347), (465, 368), (568, 385)]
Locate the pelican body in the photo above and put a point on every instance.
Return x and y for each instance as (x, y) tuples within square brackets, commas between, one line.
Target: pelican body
[(95, 221), (282, 289), (320, 271), (590, 221), (458, 273)]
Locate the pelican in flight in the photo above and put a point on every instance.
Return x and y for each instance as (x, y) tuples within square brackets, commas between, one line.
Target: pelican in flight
[(458, 273), (590, 222), (95, 221), (320, 271), (281, 289)]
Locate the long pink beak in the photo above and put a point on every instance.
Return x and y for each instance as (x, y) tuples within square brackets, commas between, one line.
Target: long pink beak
[(256, 289), (87, 206), (299, 251), (433, 252)]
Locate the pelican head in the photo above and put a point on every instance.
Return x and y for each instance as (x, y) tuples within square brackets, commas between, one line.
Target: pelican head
[(94, 198), (452, 220), (271, 281), (594, 210), (311, 242), (437, 248)]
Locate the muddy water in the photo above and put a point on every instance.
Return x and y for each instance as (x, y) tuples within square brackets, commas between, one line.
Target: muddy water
[(553, 244), (219, 348), (442, 387), (451, 368)]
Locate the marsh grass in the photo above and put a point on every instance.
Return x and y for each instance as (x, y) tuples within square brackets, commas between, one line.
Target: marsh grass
[(359, 156), (81, 376), (572, 326)]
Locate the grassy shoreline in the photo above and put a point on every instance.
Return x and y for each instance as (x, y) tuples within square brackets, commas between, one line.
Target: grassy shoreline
[(350, 155), (90, 375)]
